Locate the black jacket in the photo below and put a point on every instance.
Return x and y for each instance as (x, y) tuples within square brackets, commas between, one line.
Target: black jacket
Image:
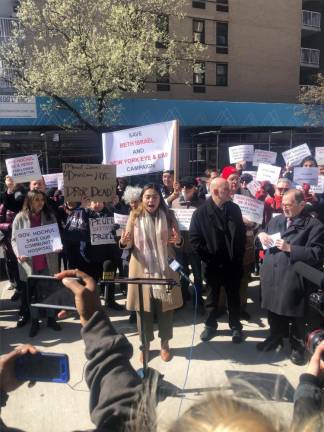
[(283, 291), (218, 236)]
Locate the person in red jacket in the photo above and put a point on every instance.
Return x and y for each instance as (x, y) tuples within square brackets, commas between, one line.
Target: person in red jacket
[(272, 204)]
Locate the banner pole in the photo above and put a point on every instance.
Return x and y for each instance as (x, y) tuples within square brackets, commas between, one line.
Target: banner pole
[(176, 134)]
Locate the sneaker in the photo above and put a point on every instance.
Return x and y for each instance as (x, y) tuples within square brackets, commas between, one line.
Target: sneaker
[(51, 322), (34, 328), (270, 344), (208, 333), (116, 306), (237, 336), (298, 357)]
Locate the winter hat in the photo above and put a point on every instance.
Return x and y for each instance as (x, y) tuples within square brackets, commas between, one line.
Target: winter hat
[(227, 171)]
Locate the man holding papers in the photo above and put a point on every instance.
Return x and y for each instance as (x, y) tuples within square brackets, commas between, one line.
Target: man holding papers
[(290, 237)]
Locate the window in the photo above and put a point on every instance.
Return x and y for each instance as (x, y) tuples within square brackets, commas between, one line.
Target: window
[(222, 5), (222, 74), (222, 38), (199, 77), (162, 23), (162, 76), (198, 31), (199, 4)]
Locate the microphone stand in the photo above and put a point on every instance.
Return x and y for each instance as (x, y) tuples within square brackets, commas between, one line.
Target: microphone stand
[(168, 283)]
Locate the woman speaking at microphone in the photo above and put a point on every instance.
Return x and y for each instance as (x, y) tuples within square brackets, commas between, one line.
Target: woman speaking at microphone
[(151, 233)]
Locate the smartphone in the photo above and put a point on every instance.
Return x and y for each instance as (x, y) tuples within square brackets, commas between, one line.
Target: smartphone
[(43, 366), (50, 293)]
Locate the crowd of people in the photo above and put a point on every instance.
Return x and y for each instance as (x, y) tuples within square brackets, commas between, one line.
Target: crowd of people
[(220, 251)]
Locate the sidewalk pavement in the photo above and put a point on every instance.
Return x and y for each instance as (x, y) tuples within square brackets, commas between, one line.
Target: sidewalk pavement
[(59, 407)]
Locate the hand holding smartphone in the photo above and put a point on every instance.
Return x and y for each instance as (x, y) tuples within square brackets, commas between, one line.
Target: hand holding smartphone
[(42, 366)]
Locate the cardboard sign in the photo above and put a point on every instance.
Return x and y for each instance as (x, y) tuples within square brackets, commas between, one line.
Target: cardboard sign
[(319, 188), (274, 237), (39, 240), (269, 173), (140, 150), (251, 208), (183, 217), (101, 230), (319, 155), (306, 175), (51, 180), (264, 156), (253, 187), (24, 169), (121, 220), (294, 156), (240, 153), (96, 182)]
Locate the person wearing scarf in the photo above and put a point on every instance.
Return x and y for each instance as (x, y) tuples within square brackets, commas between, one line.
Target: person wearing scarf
[(151, 233)]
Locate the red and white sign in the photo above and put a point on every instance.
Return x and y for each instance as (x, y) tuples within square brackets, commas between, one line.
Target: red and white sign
[(268, 173), (240, 153), (24, 169), (140, 150), (251, 208), (264, 156), (294, 156)]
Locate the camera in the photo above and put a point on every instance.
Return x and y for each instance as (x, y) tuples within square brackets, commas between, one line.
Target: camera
[(316, 301), (313, 339)]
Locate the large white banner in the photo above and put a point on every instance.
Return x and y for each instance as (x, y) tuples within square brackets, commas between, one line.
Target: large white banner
[(24, 169), (294, 156), (243, 152), (251, 208), (140, 150), (101, 230), (39, 240)]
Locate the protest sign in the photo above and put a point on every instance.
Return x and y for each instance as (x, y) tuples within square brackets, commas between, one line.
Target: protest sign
[(306, 175), (51, 180), (268, 173), (319, 155), (96, 182), (294, 156), (264, 156), (240, 153), (140, 150), (24, 169), (121, 220), (251, 208), (274, 237), (39, 240), (319, 188), (101, 230), (253, 187), (183, 217)]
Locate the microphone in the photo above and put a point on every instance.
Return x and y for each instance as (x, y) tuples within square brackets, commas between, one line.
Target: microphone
[(175, 266), (108, 270)]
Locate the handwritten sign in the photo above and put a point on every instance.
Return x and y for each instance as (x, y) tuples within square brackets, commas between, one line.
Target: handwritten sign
[(183, 217), (319, 188), (24, 169), (51, 180), (319, 155), (240, 153), (121, 220), (39, 240), (251, 208), (268, 173), (101, 230), (96, 182), (140, 150), (306, 175), (294, 156), (253, 187), (264, 156)]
